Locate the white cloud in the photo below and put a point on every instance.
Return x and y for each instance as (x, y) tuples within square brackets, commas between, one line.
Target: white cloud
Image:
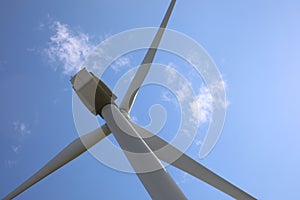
[(30, 49), (201, 103), (16, 148), (217, 90), (182, 91), (120, 63), (21, 131), (41, 26), (134, 119), (197, 142), (172, 76), (184, 178), (167, 97), (201, 107), (21, 128), (68, 47), (10, 163)]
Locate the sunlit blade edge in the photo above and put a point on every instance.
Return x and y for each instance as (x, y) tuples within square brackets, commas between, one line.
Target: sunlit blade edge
[(144, 68)]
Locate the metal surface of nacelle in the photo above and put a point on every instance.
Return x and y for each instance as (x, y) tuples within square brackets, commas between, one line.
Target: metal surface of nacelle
[(92, 91)]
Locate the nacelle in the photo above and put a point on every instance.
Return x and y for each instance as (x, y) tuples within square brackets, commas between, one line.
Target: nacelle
[(93, 93)]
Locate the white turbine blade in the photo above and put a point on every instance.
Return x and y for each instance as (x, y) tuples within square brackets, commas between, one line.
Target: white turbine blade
[(144, 68), (158, 183), (175, 157), (72, 151)]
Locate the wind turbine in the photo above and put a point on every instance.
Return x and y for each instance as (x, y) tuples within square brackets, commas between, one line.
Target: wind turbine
[(133, 139)]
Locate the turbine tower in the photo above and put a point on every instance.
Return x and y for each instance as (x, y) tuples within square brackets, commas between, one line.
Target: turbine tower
[(133, 139)]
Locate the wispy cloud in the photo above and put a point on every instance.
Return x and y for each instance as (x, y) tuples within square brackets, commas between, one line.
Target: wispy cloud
[(41, 26), (167, 97), (123, 61), (197, 142), (21, 127), (216, 89), (20, 131), (197, 105), (30, 49), (134, 118), (68, 47), (184, 178), (10, 163), (201, 106), (200, 103), (16, 148)]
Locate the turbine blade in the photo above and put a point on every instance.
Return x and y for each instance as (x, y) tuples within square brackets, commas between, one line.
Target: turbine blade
[(175, 157), (158, 183), (144, 68), (72, 151)]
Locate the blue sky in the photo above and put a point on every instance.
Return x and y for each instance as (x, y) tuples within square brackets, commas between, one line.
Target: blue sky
[(255, 45)]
